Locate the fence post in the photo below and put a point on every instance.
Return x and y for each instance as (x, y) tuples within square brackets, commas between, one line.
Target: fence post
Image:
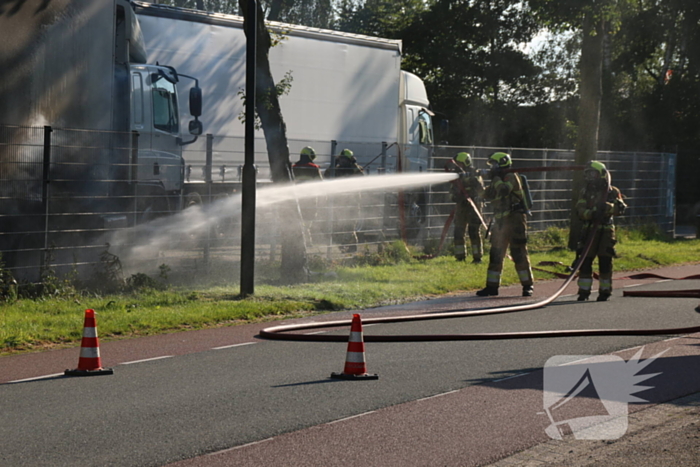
[(543, 193), (45, 193), (208, 161), (134, 174), (334, 147), (670, 191), (384, 148)]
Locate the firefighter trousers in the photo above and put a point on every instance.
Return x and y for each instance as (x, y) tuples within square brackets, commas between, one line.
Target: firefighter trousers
[(603, 247), (509, 231), (467, 221)]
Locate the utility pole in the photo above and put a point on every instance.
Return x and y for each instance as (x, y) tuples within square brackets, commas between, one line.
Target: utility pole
[(248, 175)]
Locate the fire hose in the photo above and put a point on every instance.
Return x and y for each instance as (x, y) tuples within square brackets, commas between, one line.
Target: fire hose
[(291, 332), (286, 332)]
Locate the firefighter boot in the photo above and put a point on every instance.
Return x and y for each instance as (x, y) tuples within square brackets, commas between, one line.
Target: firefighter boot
[(488, 291), (528, 290), (603, 295), (583, 295)]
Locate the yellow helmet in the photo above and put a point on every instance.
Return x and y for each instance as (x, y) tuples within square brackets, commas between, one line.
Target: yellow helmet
[(346, 153), (308, 151), (500, 160), (464, 158), (594, 171)]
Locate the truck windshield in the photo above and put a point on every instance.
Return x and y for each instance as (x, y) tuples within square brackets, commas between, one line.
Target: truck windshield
[(165, 112)]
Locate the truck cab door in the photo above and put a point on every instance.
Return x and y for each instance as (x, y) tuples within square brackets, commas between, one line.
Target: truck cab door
[(141, 123), (165, 145)]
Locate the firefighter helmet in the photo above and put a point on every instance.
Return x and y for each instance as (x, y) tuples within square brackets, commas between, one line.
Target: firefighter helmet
[(464, 158), (309, 151), (500, 160), (346, 153), (595, 171)]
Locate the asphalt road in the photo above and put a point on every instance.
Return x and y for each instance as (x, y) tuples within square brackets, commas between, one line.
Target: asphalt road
[(184, 395)]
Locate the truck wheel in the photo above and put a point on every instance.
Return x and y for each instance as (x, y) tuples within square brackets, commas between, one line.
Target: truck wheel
[(193, 199)]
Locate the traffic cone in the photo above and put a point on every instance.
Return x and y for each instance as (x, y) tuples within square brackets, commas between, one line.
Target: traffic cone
[(355, 367), (89, 363)]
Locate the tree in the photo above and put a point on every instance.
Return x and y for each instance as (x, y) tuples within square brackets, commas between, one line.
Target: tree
[(655, 81), (313, 13), (380, 18), (293, 268), (219, 6), (468, 54), (595, 20)]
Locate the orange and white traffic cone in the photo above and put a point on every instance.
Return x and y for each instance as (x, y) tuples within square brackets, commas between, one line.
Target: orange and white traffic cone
[(89, 363), (355, 367)]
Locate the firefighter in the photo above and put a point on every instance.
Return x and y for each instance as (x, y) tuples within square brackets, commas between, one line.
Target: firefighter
[(345, 166), (305, 170), (507, 198), (346, 210), (467, 192), (597, 203)]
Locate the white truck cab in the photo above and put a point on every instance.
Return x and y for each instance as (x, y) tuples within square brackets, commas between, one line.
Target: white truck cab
[(155, 115)]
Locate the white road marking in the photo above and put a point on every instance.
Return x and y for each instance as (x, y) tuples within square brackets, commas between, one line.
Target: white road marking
[(437, 395), (232, 345), (351, 417), (146, 360), (35, 378), (240, 447)]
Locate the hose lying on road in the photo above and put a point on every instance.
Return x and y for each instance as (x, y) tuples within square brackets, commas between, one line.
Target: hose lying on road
[(291, 332)]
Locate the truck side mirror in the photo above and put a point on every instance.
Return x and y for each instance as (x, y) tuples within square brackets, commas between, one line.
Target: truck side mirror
[(195, 127), (195, 103)]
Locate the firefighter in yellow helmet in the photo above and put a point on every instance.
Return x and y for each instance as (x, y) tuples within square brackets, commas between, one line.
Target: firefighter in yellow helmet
[(345, 166), (467, 192), (347, 210), (507, 198), (305, 170), (597, 203)]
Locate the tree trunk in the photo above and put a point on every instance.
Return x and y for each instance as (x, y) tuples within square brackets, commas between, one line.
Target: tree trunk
[(589, 109), (293, 268)]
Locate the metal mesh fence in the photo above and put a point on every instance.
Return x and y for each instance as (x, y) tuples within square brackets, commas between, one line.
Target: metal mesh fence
[(69, 196)]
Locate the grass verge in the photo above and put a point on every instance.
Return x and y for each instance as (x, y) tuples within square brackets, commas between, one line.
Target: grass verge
[(371, 280)]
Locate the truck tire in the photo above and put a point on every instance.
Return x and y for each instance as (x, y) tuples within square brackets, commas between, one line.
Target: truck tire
[(193, 199)]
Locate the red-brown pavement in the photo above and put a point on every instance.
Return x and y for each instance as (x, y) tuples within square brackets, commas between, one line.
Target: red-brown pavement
[(476, 425)]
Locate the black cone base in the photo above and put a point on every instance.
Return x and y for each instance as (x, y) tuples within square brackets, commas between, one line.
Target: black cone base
[(353, 377), (98, 372)]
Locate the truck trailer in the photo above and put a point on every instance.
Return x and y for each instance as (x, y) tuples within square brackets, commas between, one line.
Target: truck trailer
[(91, 114), (345, 88)]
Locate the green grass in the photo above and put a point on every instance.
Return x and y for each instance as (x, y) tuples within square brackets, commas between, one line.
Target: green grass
[(391, 277)]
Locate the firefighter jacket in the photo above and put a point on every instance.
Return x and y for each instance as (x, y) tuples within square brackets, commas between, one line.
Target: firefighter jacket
[(306, 170), (506, 195), (596, 204), (468, 185), (344, 167)]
